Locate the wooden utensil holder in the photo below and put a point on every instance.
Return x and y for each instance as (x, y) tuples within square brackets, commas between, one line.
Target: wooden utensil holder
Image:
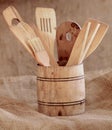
[(61, 90)]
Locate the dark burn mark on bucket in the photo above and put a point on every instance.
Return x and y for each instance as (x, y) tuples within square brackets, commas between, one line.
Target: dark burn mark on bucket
[(59, 113)]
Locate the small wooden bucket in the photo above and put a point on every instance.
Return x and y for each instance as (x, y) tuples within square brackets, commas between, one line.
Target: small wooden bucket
[(61, 90)]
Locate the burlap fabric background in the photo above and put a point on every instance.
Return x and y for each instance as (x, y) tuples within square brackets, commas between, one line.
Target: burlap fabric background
[(18, 105)]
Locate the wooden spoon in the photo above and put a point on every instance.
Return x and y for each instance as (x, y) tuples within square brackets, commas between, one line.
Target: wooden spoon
[(66, 36)]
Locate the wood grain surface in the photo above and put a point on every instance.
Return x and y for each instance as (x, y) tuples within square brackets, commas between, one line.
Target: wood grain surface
[(61, 90)]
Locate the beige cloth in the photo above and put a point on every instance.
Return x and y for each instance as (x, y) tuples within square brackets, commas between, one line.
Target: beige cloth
[(18, 105)]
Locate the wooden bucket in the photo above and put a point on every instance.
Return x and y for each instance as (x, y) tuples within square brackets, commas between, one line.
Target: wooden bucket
[(61, 90)]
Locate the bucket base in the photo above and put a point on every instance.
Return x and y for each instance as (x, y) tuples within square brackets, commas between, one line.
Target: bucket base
[(61, 110)]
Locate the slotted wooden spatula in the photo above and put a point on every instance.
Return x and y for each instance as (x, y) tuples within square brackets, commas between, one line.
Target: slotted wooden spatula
[(43, 39), (98, 38), (94, 39), (88, 43), (46, 22), (39, 51), (66, 36)]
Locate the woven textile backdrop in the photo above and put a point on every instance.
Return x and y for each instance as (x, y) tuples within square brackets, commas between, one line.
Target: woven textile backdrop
[(15, 60)]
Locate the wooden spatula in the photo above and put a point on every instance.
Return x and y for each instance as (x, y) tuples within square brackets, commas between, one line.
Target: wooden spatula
[(12, 18), (39, 51), (94, 39), (89, 43), (46, 22), (40, 34), (33, 42), (98, 38), (66, 36)]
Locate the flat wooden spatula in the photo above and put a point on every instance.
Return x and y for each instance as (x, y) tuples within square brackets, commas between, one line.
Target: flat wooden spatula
[(98, 38), (66, 36), (94, 38), (12, 18), (46, 22)]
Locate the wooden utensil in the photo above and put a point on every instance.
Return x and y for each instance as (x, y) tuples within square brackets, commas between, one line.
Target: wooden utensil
[(43, 39), (23, 31), (76, 51), (33, 43), (98, 38), (12, 18), (39, 51), (46, 22), (30, 33), (95, 30), (84, 41), (10, 13), (92, 44), (89, 43), (66, 36)]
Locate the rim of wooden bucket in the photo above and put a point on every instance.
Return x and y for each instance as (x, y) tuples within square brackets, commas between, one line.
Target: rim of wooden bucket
[(81, 64)]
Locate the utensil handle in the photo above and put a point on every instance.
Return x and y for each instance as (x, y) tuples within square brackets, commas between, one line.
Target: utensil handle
[(39, 34), (90, 42), (85, 40)]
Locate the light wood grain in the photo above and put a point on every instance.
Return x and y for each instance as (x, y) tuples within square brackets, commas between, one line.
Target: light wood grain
[(46, 22), (23, 32), (89, 43), (59, 90), (96, 34), (76, 51), (98, 38), (84, 41), (18, 30), (42, 37), (39, 51)]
